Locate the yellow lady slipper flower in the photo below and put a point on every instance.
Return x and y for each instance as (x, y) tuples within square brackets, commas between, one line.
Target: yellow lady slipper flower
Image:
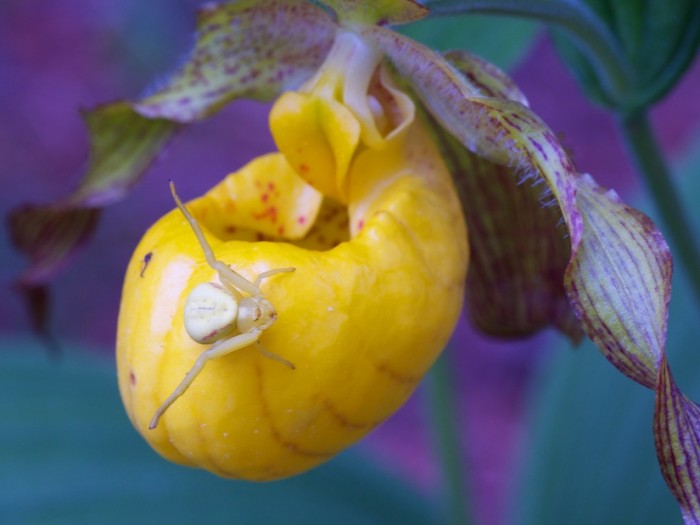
[(379, 249)]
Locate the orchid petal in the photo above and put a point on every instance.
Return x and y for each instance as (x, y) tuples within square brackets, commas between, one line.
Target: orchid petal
[(677, 439), (319, 137), (490, 80), (380, 12), (267, 197), (253, 49), (45, 233), (519, 250), (619, 283), (123, 144), (502, 131)]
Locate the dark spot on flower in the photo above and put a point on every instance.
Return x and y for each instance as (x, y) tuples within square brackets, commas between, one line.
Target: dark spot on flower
[(132, 378), (144, 264)]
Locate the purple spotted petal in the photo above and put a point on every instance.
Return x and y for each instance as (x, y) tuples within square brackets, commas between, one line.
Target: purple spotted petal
[(677, 438), (620, 282), (250, 49)]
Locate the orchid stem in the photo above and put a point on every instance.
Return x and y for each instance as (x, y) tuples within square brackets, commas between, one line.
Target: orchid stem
[(648, 158), (441, 393)]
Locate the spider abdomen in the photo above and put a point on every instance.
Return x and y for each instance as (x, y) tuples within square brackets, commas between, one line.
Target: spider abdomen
[(210, 313)]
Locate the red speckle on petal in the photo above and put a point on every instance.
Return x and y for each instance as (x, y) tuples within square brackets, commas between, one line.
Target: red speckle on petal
[(269, 213), (360, 224), (265, 197), (303, 168), (132, 378), (301, 219)]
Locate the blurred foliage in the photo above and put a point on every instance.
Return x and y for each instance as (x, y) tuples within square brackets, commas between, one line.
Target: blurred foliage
[(657, 40), (590, 457), (503, 41), (69, 455)]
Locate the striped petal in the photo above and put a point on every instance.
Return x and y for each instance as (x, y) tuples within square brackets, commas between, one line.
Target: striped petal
[(519, 249), (677, 438), (619, 282)]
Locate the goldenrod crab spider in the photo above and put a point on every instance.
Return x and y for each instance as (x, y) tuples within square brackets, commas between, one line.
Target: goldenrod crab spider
[(222, 314)]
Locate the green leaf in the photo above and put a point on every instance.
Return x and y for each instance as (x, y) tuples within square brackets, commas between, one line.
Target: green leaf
[(591, 457), (657, 39), (70, 455)]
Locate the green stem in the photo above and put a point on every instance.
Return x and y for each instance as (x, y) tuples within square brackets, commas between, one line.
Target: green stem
[(648, 158), (441, 403), (582, 25)]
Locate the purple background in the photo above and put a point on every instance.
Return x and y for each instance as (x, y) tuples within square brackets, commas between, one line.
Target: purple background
[(57, 56)]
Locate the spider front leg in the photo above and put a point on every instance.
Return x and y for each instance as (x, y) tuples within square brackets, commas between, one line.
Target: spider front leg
[(270, 273), (218, 349), (229, 278)]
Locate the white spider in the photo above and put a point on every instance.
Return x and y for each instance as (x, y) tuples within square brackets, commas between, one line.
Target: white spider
[(229, 316)]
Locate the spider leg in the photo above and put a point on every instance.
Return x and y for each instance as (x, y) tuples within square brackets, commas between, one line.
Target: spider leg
[(218, 349), (229, 278), (270, 273), (275, 357)]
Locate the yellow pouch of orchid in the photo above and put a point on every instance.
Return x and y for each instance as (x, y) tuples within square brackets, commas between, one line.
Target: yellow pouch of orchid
[(378, 285)]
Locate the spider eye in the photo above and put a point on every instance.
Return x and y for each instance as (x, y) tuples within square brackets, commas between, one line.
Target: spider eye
[(210, 313)]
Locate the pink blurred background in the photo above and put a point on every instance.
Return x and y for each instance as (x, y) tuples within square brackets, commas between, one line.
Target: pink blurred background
[(56, 57)]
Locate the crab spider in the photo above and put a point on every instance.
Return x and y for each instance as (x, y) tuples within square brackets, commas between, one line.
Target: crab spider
[(229, 316)]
